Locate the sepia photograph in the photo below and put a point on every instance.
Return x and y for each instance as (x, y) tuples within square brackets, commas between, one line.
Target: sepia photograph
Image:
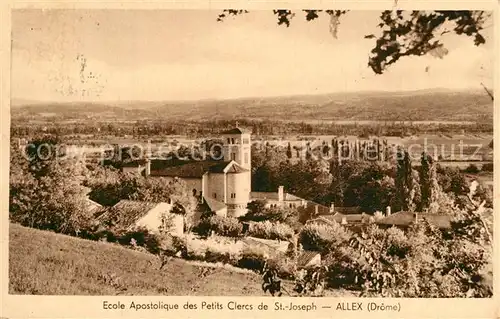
[(251, 153)]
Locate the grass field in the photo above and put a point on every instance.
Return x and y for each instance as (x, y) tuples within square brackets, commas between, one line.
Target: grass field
[(45, 263)]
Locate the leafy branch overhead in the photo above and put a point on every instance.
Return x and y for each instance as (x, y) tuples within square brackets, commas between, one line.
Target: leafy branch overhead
[(403, 33)]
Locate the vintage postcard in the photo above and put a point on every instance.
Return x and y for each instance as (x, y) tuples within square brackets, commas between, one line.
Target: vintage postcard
[(259, 160)]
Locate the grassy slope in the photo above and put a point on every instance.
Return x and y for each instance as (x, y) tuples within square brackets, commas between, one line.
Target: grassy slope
[(46, 263)]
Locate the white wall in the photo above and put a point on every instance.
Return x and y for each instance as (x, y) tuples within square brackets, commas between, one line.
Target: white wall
[(153, 219), (216, 184)]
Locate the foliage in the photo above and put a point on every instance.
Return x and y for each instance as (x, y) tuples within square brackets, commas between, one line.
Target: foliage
[(45, 192), (487, 167), (405, 183), (452, 181), (223, 226), (253, 257), (140, 237), (471, 169), (213, 249), (271, 230), (372, 188), (429, 186), (319, 237)]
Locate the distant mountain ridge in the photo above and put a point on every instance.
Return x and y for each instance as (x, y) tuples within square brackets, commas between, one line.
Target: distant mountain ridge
[(437, 105)]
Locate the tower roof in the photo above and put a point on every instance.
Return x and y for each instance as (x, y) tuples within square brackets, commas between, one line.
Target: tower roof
[(236, 130)]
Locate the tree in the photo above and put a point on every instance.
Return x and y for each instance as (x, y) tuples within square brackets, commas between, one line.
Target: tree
[(404, 182), (429, 186), (289, 151), (46, 191), (403, 33)]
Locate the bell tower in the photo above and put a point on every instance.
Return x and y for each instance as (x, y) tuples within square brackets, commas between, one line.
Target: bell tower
[(237, 145)]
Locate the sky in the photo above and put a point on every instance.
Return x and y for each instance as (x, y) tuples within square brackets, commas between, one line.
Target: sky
[(120, 55)]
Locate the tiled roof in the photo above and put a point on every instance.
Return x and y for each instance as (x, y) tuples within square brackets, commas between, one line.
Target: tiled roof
[(214, 204), (350, 218), (404, 219), (321, 220), (196, 169), (93, 207), (311, 208), (236, 168), (126, 212), (348, 209), (236, 130), (272, 196), (305, 257)]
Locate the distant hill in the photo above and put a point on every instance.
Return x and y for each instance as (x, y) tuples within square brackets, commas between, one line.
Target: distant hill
[(426, 105)]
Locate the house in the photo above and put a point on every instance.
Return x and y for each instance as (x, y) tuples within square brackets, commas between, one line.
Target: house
[(128, 214), (92, 207), (278, 199), (347, 220), (404, 219), (321, 220)]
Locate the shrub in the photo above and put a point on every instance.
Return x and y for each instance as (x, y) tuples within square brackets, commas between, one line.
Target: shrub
[(285, 267), (213, 249), (271, 230), (143, 238), (488, 167), (223, 226), (253, 257), (319, 237), (472, 169)]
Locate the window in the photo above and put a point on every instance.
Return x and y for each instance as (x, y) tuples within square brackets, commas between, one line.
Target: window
[(233, 156), (233, 195), (246, 140), (194, 192), (228, 140), (215, 195), (232, 140)]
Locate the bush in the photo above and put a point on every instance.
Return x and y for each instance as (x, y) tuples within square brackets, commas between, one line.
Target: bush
[(141, 237), (472, 169), (213, 249), (253, 257), (285, 267), (223, 226), (488, 167), (271, 230)]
